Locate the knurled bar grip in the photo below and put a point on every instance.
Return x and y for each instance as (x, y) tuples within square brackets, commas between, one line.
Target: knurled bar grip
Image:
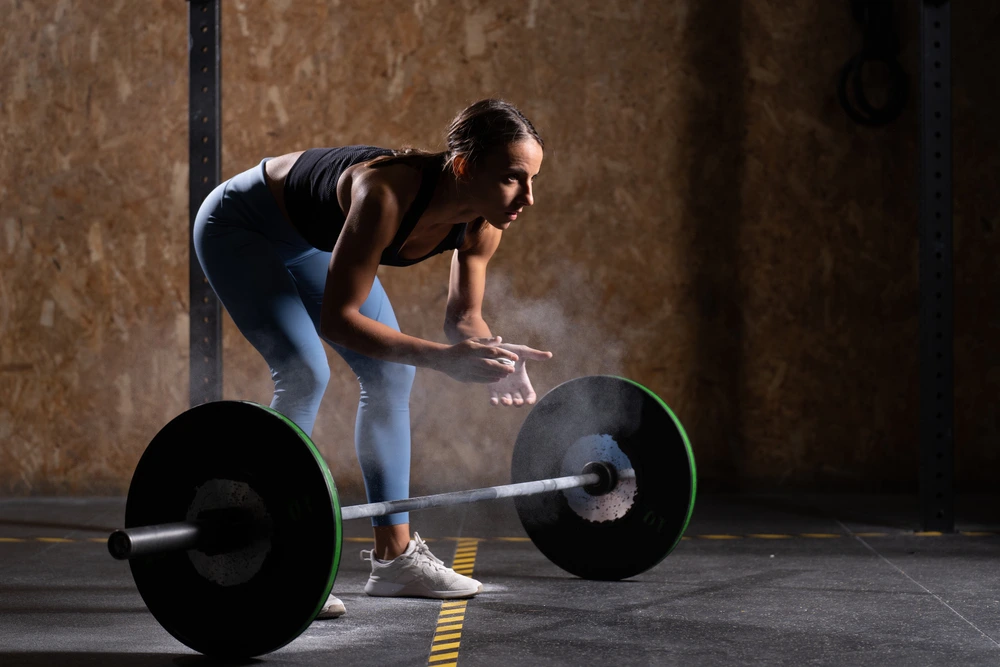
[(146, 540), (472, 496)]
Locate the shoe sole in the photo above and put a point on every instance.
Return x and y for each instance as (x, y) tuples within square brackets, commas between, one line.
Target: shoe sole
[(406, 591)]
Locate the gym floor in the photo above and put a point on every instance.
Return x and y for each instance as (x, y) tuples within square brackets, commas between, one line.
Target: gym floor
[(759, 580)]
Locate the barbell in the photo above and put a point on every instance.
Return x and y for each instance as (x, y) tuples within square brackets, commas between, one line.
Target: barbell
[(231, 506)]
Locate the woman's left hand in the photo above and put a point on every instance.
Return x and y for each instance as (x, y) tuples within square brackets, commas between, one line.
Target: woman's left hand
[(516, 389)]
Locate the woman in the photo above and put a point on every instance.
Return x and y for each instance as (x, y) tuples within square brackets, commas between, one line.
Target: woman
[(291, 247)]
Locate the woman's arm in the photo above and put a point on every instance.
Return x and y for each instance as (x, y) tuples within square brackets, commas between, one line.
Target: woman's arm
[(371, 224), (467, 284)]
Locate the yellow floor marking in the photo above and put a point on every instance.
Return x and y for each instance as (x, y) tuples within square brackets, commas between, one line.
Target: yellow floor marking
[(451, 619), (685, 538), (820, 536), (451, 635), (450, 627), (770, 536), (720, 537), (976, 533), (444, 656), (452, 612), (99, 540), (55, 540), (11, 539), (871, 534), (512, 539), (464, 561), (446, 664), (444, 647), (927, 533), (456, 603)]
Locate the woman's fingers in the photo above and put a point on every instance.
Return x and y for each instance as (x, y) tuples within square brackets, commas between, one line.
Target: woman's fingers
[(538, 355)]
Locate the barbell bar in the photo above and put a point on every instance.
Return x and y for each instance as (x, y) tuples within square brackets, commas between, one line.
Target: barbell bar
[(232, 506), (597, 478)]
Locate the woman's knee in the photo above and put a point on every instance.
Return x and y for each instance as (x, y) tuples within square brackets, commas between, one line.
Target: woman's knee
[(386, 381), (301, 375)]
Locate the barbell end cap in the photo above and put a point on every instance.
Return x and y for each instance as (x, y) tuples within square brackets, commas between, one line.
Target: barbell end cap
[(119, 545), (608, 477)]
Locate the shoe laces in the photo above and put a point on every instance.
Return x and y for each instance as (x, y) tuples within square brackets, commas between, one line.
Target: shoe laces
[(421, 548)]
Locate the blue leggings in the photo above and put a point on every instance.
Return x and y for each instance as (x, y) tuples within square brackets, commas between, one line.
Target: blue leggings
[(271, 282)]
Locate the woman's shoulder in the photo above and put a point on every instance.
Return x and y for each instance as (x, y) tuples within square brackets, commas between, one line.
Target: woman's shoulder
[(480, 237), (398, 183)]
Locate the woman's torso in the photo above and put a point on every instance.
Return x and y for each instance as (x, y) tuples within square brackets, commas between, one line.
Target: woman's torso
[(406, 181)]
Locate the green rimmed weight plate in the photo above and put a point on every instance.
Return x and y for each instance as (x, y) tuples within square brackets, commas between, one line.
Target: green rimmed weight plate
[(226, 456), (631, 529)]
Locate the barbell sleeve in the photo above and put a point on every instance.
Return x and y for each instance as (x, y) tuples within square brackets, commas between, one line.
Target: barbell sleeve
[(145, 540)]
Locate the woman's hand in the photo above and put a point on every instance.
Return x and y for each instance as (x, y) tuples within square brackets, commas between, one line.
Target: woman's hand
[(516, 389), (476, 360)]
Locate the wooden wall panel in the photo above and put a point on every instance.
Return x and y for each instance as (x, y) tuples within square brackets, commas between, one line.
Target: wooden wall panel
[(708, 222)]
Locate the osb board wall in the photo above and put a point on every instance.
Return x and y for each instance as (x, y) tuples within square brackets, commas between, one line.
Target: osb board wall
[(708, 222)]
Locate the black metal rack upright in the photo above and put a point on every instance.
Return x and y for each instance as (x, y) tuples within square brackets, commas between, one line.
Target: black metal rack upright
[(937, 412), (205, 156)]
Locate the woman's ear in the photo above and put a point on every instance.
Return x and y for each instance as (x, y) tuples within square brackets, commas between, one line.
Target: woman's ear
[(460, 166)]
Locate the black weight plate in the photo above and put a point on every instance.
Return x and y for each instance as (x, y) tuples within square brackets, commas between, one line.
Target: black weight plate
[(606, 415), (271, 596)]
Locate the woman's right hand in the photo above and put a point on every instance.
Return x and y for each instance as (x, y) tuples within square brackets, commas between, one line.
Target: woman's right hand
[(477, 360)]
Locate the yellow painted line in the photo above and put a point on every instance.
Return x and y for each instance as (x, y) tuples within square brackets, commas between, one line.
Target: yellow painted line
[(977, 533), (466, 552), (444, 656), (54, 540), (512, 539), (464, 561), (444, 647), (685, 538), (452, 635), (819, 536), (99, 540), (453, 611), (720, 537), (927, 533), (11, 539), (770, 536), (449, 627), (454, 603), (446, 664), (871, 534), (451, 619)]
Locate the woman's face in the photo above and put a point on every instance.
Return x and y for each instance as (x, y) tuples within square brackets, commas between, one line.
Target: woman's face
[(503, 183)]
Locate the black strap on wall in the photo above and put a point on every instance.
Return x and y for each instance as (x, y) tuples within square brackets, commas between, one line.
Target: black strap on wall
[(937, 413), (204, 154)]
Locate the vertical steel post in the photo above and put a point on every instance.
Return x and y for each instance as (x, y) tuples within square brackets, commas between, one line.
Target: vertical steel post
[(204, 154), (937, 412)]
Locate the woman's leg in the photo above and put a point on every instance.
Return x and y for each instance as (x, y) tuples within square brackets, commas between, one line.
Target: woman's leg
[(253, 283), (382, 427)]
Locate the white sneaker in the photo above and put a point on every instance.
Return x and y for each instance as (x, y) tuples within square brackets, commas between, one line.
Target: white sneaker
[(417, 573), (332, 609)]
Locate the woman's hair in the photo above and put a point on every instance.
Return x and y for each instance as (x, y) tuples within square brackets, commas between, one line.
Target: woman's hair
[(477, 130)]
